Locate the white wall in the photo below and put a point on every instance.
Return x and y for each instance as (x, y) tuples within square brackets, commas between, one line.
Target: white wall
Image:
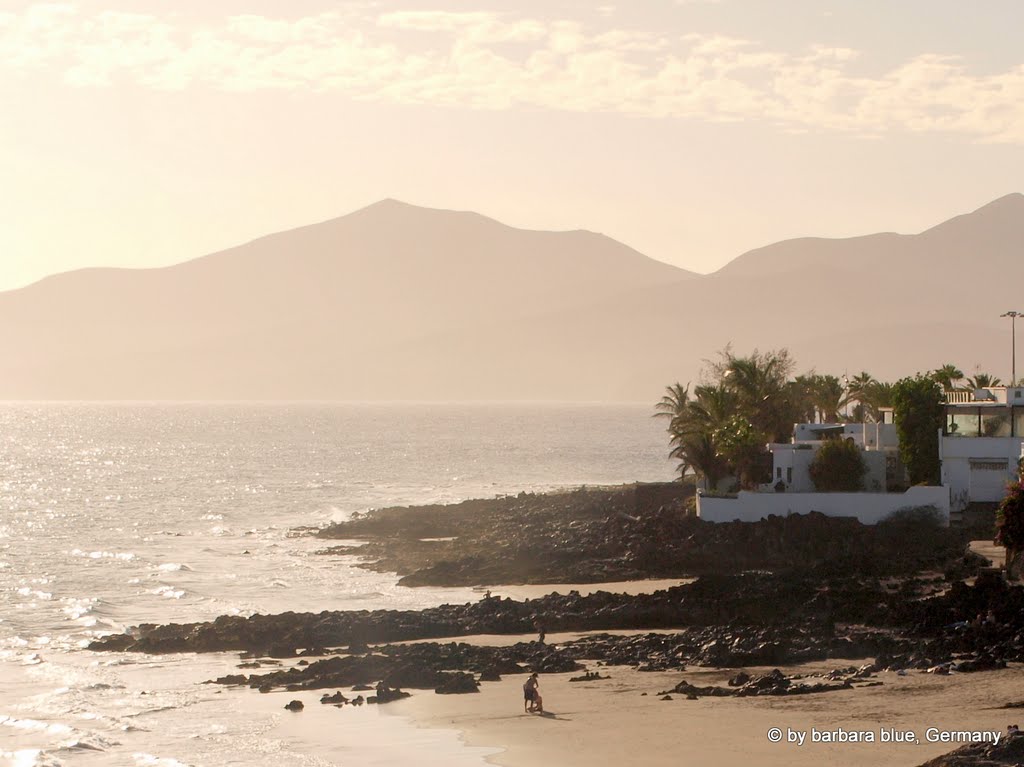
[(869, 508), (800, 457), (956, 454)]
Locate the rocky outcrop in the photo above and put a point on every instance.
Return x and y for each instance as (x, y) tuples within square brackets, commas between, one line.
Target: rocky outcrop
[(775, 683), (604, 534), (1009, 752), (457, 684)]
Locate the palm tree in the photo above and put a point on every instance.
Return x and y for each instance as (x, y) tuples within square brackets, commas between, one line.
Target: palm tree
[(947, 375), (760, 383), (741, 444), (983, 381), (860, 384), (877, 396), (801, 397), (697, 451), (829, 397), (693, 432), (673, 406)]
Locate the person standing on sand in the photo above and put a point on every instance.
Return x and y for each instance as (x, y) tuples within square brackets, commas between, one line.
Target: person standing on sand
[(532, 701), (540, 630)]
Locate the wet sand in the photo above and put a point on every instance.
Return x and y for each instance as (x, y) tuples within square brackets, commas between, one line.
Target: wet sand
[(612, 721)]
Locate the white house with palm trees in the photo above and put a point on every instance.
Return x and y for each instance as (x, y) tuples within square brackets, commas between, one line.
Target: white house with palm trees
[(792, 490), (980, 447)]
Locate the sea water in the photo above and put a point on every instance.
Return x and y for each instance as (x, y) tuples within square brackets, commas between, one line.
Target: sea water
[(113, 515)]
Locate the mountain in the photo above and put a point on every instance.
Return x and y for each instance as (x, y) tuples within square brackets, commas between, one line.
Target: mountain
[(400, 302), (313, 312)]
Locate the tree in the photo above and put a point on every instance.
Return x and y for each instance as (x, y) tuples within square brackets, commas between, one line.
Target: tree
[(673, 407), (838, 467), (947, 376), (877, 395), (1010, 526), (710, 407), (982, 381), (919, 416), (743, 445), (801, 395), (692, 423), (760, 382), (860, 384), (829, 397)]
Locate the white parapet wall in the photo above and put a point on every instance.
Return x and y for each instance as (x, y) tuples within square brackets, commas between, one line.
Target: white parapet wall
[(869, 508)]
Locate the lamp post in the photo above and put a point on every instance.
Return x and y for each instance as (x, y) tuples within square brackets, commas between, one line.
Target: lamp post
[(1013, 344)]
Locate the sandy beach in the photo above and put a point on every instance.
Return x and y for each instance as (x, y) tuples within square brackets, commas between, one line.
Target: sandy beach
[(623, 720)]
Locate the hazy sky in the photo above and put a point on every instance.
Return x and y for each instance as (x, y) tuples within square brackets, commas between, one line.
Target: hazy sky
[(147, 132)]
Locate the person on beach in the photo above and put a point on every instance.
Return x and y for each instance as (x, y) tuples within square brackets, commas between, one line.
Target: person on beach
[(540, 630), (532, 701)]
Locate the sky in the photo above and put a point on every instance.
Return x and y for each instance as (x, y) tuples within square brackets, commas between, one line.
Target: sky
[(142, 133)]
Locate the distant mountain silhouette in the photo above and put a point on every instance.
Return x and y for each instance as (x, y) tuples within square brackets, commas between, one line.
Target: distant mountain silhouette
[(399, 302)]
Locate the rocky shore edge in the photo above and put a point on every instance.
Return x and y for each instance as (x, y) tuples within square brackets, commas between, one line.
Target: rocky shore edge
[(904, 596), (628, 532)]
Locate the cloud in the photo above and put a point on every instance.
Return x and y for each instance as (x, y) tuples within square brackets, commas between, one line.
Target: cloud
[(496, 61)]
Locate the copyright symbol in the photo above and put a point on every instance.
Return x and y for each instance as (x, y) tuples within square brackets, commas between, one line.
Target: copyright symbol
[(774, 734)]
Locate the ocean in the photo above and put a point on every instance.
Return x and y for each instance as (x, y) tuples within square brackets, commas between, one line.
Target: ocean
[(117, 514)]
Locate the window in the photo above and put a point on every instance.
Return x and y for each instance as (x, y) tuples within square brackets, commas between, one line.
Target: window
[(1018, 422), (778, 472), (789, 475), (995, 422), (963, 423)]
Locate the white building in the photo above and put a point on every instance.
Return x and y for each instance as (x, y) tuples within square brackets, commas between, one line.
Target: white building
[(792, 491), (791, 461), (980, 446), (981, 443)]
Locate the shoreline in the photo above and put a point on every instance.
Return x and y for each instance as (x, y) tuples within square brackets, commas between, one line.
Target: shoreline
[(612, 721)]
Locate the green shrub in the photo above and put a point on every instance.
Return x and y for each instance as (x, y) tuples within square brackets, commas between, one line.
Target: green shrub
[(838, 467)]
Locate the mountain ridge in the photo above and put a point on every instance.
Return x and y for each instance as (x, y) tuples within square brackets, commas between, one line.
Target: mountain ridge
[(393, 301)]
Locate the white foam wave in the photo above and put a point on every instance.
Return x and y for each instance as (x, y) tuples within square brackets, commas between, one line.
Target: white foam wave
[(148, 760), (168, 592), (26, 591), (78, 607), (125, 556), (34, 725), (29, 757), (171, 567)]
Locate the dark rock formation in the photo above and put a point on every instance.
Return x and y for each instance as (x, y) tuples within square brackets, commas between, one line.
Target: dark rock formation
[(295, 705), (1009, 752), (386, 694), (457, 683), (773, 683), (620, 533)]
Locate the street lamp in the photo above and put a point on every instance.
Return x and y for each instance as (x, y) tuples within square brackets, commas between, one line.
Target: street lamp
[(1013, 344)]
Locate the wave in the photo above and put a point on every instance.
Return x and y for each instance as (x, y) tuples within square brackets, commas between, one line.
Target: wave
[(124, 556), (168, 592), (30, 757), (34, 725), (148, 760)]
